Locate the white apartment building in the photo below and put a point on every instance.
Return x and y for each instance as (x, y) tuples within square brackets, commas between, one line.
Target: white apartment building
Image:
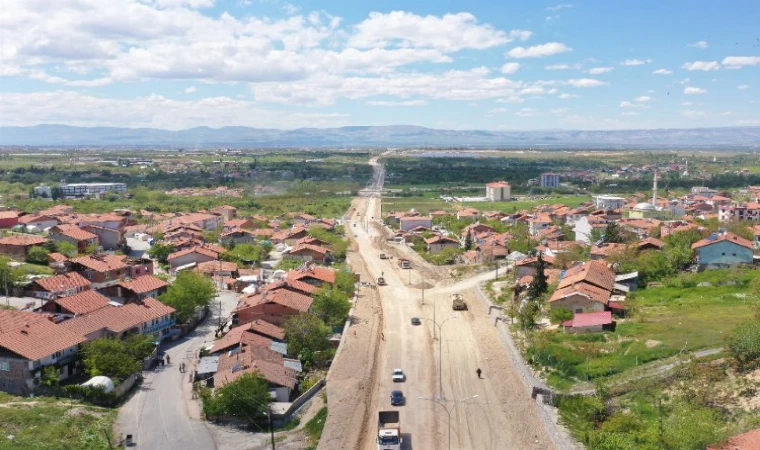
[(608, 202), (549, 180), (498, 191), (85, 189)]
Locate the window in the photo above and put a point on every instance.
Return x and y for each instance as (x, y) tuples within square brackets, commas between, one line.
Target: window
[(578, 310), (57, 355), (5, 366)]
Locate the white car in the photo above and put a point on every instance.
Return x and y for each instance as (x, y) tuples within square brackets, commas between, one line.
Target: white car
[(398, 376)]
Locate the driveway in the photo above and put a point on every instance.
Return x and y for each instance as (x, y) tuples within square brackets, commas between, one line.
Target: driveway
[(160, 414)]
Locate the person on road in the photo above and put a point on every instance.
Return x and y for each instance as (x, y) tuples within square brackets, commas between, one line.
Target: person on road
[(168, 360), (478, 372)]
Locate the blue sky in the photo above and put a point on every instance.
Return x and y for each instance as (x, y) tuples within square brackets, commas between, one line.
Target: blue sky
[(443, 64)]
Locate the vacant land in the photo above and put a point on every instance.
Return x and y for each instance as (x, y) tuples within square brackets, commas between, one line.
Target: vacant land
[(680, 316), (48, 423)]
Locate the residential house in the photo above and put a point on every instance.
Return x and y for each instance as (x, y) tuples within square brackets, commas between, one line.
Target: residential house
[(650, 243), (37, 222), (252, 357), (232, 224), (18, 245), (723, 250), (204, 221), (82, 303), (304, 219), (468, 214), (64, 285), (273, 306), (109, 238), (237, 236), (197, 255), (57, 210), (309, 253), (592, 322), (9, 219), (527, 266), (604, 251), (538, 223), (102, 270), (640, 227), (226, 211), (608, 202), (29, 342), (290, 236), (491, 251), (436, 244), (585, 288), (81, 239), (264, 332), (409, 222), (575, 214), (313, 275), (585, 226), (476, 229), (739, 211), (498, 191), (138, 288)]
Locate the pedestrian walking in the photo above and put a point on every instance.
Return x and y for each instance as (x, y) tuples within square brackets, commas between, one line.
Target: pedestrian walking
[(168, 360), (478, 372)]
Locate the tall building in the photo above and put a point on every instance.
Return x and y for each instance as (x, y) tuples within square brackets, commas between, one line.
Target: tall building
[(549, 180), (498, 191), (85, 189)]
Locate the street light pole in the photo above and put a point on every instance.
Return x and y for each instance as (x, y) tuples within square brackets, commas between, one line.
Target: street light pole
[(440, 351), (448, 410)]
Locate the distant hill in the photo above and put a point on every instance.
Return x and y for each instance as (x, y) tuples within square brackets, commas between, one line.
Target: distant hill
[(379, 136)]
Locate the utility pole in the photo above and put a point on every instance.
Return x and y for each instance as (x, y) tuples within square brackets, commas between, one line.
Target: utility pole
[(448, 410)]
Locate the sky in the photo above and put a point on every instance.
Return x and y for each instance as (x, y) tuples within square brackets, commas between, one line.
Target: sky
[(477, 64)]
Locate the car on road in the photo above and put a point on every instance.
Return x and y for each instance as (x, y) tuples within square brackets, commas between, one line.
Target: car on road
[(398, 376), (416, 321), (397, 398)]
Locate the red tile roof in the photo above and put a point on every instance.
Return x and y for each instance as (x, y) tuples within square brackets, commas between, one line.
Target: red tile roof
[(29, 218), (589, 319), (216, 266), (441, 240), (102, 263), (312, 271), (606, 249), (118, 318), (63, 282), (585, 289), (73, 232), (9, 214), (594, 272), (189, 251), (309, 248), (252, 358), (144, 284), (34, 336), (23, 240), (258, 332), (650, 241), (57, 257), (83, 302), (730, 237), (284, 297)]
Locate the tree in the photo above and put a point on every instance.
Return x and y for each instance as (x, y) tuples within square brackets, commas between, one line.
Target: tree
[(140, 346), (109, 357), (744, 344), (539, 285), (50, 376), (560, 315), (345, 280), (306, 334), (161, 252), (66, 248), (37, 255), (189, 292), (246, 398), (331, 305), (468, 241), (9, 276), (612, 233)]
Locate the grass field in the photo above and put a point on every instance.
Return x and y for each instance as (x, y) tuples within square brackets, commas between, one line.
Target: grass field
[(679, 315), (429, 203), (48, 423)]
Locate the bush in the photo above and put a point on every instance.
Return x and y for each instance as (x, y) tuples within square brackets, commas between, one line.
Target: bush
[(560, 315), (37, 255), (90, 394), (744, 345)]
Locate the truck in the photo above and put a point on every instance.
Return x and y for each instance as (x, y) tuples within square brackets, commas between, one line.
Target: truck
[(458, 303), (383, 256), (381, 281), (404, 264), (388, 430)]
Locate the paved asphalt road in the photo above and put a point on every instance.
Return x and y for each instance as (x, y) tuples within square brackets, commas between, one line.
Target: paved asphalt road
[(157, 414)]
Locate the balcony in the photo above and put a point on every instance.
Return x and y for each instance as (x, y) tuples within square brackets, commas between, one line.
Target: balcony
[(159, 326)]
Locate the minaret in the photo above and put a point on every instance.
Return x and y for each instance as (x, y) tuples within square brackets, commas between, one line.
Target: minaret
[(654, 190)]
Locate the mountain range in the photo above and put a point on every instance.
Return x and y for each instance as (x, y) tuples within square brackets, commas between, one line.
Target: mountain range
[(377, 136)]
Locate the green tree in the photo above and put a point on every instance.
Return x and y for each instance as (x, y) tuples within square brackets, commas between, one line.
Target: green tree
[(468, 241), (246, 398), (37, 255), (50, 376), (306, 334), (560, 315), (331, 305), (540, 284), (161, 252), (189, 292), (9, 276), (744, 344), (345, 280), (109, 357), (612, 233), (140, 346), (66, 248)]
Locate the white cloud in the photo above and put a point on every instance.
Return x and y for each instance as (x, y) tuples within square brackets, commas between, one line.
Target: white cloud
[(557, 67), (693, 90), (737, 62), (585, 82), (684, 81), (699, 44), (598, 70), (399, 103), (449, 33), (642, 98), (629, 113), (550, 18), (662, 72), (510, 67), (180, 3), (511, 99), (693, 113), (635, 62), (539, 51), (291, 9), (726, 113), (154, 111), (560, 110), (566, 96), (704, 66), (626, 104), (560, 7), (190, 90), (527, 112), (498, 111), (742, 87)]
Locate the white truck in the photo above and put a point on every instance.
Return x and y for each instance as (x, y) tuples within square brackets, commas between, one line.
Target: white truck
[(388, 430)]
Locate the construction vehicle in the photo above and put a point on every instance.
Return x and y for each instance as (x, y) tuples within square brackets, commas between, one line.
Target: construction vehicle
[(388, 430), (381, 281), (383, 256), (404, 264), (458, 303)]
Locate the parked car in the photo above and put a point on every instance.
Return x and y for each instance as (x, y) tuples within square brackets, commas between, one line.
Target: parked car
[(416, 321), (397, 398), (398, 376)]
